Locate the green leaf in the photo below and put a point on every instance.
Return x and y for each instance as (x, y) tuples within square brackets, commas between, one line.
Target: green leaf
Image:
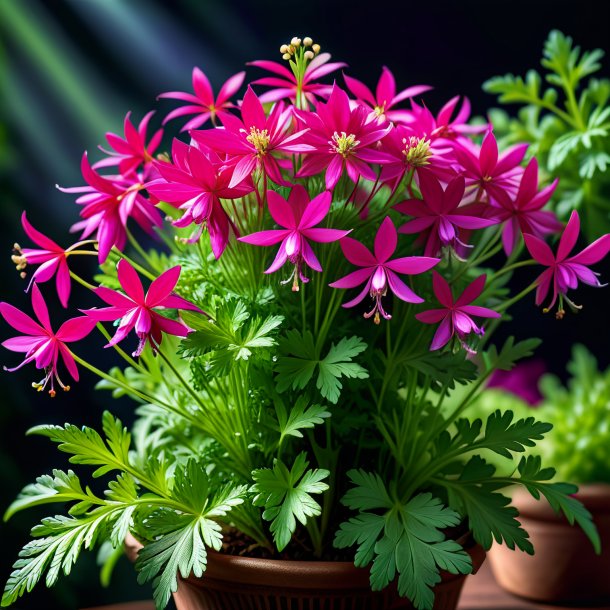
[(301, 417), (509, 354), (514, 89), (474, 495), (558, 495), (88, 447), (407, 539), (593, 162), (61, 487), (286, 496), (296, 368), (503, 436), (181, 551), (369, 492)]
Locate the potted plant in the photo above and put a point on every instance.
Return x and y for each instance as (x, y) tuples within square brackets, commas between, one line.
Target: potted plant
[(325, 259), (564, 568)]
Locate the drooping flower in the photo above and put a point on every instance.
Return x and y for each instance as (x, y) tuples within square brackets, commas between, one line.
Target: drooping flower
[(251, 142), (565, 271), (489, 173), (299, 217), (385, 96), (107, 205), (136, 310), (285, 84), (342, 139), (379, 272), (202, 103), (132, 151), (195, 183), (40, 344), (51, 258), (524, 213), (455, 316), (438, 214)]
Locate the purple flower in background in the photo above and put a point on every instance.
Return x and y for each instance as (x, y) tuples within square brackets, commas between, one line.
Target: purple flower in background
[(455, 316), (564, 271), (202, 103), (299, 217), (379, 272), (522, 380)]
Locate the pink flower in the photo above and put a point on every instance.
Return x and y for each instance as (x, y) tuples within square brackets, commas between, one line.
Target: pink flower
[(488, 172), (40, 344), (251, 142), (438, 213), (51, 258), (455, 317), (135, 310), (379, 272), (195, 183), (523, 214), (385, 96), (203, 103), (299, 217), (564, 271), (131, 151), (286, 85), (107, 205), (343, 139)]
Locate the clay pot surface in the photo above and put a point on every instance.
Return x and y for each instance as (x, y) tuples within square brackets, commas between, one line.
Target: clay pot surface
[(247, 583), (564, 568)]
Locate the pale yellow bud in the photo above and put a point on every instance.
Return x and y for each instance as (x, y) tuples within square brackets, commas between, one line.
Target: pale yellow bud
[(286, 56), (316, 48), (296, 42), (284, 49), (308, 55), (307, 41)]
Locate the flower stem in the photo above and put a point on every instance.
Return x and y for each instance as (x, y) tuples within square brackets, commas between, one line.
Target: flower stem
[(81, 281)]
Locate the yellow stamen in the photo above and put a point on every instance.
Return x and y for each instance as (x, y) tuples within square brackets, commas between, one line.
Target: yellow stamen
[(259, 139), (416, 151), (343, 143)]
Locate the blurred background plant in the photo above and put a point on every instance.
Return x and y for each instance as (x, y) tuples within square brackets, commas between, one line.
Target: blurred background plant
[(565, 116), (578, 409), (71, 69)]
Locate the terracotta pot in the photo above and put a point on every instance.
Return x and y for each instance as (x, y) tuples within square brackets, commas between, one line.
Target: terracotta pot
[(246, 583), (564, 569)]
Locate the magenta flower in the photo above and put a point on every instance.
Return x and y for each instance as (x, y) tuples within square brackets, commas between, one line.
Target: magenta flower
[(195, 183), (488, 172), (285, 83), (40, 344), (107, 205), (203, 103), (51, 258), (444, 125), (564, 271), (438, 214), (343, 139), (379, 272), (455, 316), (385, 97), (131, 151), (523, 214), (137, 310), (251, 142), (299, 217)]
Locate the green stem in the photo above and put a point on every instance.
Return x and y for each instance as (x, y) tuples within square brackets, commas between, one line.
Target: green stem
[(133, 263), (122, 353), (81, 281), (183, 382), (134, 242), (504, 306), (515, 266)]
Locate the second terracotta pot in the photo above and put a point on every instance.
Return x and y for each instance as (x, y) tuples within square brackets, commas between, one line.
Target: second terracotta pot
[(564, 568)]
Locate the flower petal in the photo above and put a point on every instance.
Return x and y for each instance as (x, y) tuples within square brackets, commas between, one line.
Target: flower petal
[(130, 282), (442, 335), (472, 291), (569, 238), (442, 290), (385, 240), (162, 286)]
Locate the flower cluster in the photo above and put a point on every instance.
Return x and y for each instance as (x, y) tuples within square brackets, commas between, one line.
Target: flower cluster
[(314, 141)]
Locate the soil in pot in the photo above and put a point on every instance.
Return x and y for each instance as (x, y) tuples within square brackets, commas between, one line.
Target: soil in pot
[(565, 568)]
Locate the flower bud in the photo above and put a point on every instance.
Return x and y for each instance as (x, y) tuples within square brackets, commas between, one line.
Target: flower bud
[(316, 48), (284, 49), (307, 41), (308, 55), (295, 42), (286, 56)]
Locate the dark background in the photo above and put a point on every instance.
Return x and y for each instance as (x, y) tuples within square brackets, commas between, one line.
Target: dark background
[(70, 69)]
